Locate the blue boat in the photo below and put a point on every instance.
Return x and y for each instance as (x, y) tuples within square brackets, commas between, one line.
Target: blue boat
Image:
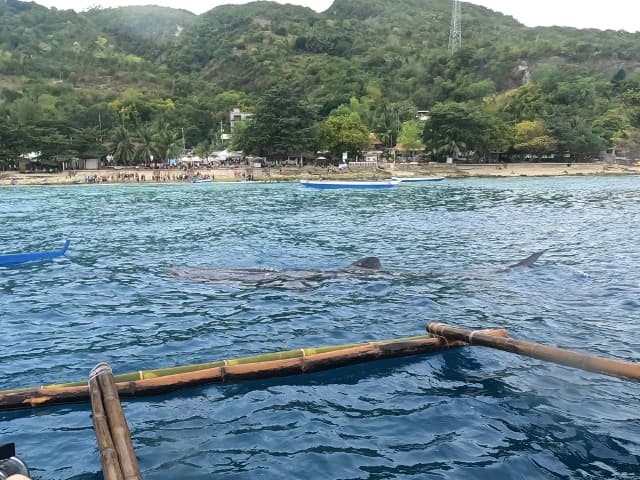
[(416, 180), (19, 258), (339, 184), (201, 180)]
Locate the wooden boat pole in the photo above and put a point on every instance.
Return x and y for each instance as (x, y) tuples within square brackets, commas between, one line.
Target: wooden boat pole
[(117, 423), (249, 368), (582, 361), (108, 456)]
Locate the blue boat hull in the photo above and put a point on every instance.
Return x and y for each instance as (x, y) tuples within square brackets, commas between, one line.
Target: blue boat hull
[(337, 185), (18, 258), (417, 180)]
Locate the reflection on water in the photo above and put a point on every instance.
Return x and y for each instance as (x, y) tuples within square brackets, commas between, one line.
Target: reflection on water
[(472, 413)]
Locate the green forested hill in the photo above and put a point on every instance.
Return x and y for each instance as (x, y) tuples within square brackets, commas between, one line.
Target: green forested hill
[(81, 77), (145, 31), (398, 45)]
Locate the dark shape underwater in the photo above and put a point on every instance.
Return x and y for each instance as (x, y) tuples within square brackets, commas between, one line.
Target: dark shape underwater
[(366, 268)]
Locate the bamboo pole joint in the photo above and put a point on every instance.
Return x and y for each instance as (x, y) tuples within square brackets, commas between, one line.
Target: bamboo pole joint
[(583, 361)]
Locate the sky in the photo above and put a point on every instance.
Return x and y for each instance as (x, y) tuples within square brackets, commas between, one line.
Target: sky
[(609, 14)]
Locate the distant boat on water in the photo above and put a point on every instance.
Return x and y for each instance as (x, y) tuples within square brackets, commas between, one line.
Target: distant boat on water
[(340, 184), (416, 180), (201, 180), (19, 258)]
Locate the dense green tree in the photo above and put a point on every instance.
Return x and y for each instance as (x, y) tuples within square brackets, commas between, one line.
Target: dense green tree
[(612, 126), (25, 111), (498, 136), (14, 141), (240, 137), (455, 128), (629, 146), (410, 137), (524, 103), (282, 125), (577, 138), (86, 143), (363, 108), (344, 133), (533, 137)]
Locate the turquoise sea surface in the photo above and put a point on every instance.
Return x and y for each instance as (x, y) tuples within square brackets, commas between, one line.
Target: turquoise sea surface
[(470, 413)]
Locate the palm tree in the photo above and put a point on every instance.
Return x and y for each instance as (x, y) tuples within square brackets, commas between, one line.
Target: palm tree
[(168, 142), (452, 148), (202, 150), (123, 147), (146, 146)]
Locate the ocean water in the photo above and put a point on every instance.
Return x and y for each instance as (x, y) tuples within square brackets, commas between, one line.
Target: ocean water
[(471, 413)]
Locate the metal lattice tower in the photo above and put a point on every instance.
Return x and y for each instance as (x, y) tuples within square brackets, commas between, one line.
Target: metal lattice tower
[(455, 34)]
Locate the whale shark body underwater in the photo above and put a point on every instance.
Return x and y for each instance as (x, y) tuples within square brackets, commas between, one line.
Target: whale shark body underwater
[(366, 267)]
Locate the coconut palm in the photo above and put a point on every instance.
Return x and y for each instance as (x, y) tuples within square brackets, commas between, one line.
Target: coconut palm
[(202, 149), (452, 148), (146, 147), (122, 146), (168, 142)]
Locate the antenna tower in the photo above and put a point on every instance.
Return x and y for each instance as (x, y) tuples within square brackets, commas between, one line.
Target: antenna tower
[(455, 34)]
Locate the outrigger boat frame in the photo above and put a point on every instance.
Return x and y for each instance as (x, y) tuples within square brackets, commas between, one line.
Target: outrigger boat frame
[(303, 361), (117, 455)]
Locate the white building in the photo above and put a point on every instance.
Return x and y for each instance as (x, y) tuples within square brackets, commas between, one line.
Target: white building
[(237, 115)]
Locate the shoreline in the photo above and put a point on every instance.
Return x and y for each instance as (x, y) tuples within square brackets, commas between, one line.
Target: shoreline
[(290, 174)]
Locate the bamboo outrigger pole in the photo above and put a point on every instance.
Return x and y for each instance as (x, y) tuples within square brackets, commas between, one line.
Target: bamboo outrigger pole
[(277, 364), (582, 361), (112, 433), (108, 455)]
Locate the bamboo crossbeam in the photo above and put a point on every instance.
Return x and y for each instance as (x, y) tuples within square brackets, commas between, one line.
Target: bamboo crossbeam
[(103, 390), (569, 358), (249, 368)]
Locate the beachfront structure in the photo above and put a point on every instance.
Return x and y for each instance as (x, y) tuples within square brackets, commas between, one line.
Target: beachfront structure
[(372, 155)]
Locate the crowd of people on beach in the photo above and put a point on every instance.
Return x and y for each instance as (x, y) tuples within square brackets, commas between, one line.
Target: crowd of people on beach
[(136, 177)]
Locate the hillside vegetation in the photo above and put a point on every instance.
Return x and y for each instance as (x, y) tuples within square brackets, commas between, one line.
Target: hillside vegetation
[(129, 81)]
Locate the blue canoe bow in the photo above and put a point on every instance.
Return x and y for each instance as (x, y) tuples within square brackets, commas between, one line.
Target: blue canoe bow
[(18, 258)]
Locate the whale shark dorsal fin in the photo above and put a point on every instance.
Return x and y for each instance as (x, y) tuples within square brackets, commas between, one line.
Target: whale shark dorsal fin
[(530, 260), (370, 263)]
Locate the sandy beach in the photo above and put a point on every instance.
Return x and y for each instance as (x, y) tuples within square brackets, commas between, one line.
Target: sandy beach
[(126, 175)]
